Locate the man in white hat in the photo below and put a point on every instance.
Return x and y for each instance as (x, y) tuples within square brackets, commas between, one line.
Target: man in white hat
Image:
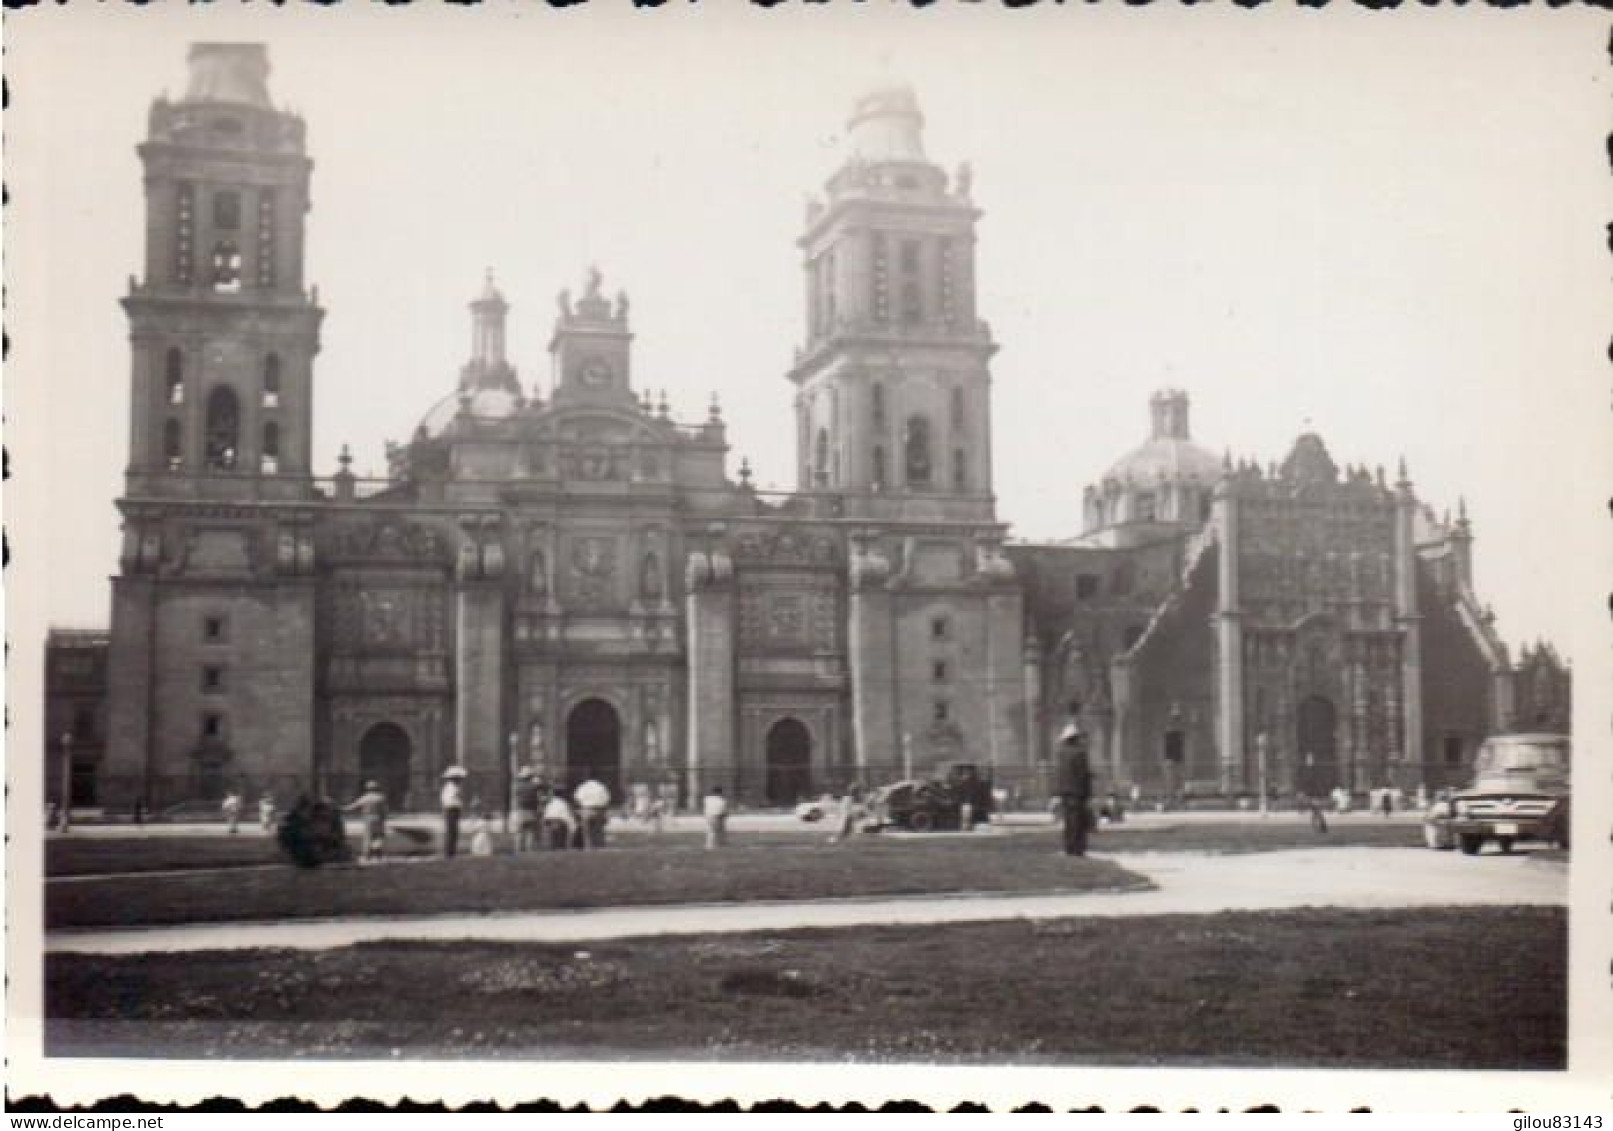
[(453, 801)]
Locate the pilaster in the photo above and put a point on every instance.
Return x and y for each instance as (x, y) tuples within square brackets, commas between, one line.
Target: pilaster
[(709, 583)]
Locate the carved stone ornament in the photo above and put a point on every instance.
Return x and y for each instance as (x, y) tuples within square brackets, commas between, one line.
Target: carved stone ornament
[(593, 571), (390, 539), (785, 547)]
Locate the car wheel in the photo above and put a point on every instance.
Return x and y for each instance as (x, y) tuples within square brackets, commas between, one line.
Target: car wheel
[(922, 821), (1505, 842), (1471, 844), (1437, 838)]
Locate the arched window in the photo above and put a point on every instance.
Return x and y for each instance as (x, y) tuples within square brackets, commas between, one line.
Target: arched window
[(918, 451), (226, 266), (879, 405), (175, 376), (223, 435), (271, 448), (879, 467), (960, 470), (173, 445), (820, 458), (271, 381)]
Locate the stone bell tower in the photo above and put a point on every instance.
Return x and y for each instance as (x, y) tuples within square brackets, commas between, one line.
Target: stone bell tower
[(222, 334), (211, 666), (894, 391)]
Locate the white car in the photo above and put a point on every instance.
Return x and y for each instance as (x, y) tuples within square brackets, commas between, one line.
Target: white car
[(816, 809)]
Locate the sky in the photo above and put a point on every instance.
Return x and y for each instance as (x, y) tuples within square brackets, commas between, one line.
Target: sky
[(1387, 229)]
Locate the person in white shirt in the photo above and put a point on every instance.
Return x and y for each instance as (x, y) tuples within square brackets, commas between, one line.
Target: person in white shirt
[(452, 802), (715, 808), (593, 799)]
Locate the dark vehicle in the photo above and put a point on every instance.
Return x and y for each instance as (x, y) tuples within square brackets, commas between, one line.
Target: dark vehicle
[(1520, 792), (936, 803)]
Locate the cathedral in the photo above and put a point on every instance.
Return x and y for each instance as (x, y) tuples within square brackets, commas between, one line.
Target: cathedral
[(565, 576)]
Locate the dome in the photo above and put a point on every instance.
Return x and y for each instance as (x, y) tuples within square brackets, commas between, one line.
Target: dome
[(887, 125), (229, 72), (1170, 452), (1169, 458), (486, 406)]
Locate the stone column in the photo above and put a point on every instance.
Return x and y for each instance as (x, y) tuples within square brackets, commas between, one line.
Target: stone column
[(480, 738), (710, 588), (1409, 621), (1032, 677), (1229, 634), (871, 646)]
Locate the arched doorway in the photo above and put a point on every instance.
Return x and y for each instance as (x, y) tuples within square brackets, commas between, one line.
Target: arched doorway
[(383, 757), (594, 746), (1317, 770), (789, 762)]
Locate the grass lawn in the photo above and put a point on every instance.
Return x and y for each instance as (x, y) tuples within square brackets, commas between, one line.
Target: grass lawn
[(103, 855), (1317, 987), (670, 870), (83, 855), (1282, 830)]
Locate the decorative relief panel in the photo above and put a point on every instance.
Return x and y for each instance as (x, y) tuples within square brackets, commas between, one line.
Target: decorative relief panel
[(388, 618), (779, 618), (391, 540), (785, 547), (215, 551), (592, 572)]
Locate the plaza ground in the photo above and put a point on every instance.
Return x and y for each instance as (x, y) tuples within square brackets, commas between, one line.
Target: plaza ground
[(1242, 951), (1318, 987)]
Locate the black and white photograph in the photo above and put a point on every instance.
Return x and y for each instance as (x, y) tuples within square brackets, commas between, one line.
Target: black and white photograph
[(844, 553)]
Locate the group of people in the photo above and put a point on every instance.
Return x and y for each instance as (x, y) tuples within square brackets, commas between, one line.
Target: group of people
[(544, 817), (232, 806)]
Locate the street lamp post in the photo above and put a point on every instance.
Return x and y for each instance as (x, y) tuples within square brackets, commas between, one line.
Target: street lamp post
[(509, 809), (907, 757), (1262, 745), (64, 820)]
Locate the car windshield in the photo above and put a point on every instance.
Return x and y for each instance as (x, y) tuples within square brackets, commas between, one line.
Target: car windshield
[(1523, 758)]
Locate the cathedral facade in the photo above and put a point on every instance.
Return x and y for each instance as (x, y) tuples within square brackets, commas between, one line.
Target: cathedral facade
[(563, 575)]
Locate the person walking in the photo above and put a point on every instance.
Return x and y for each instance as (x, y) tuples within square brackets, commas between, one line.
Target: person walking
[(558, 821), (526, 811), (371, 805), (593, 800), (846, 815), (1075, 789), (453, 803), (232, 811), (715, 808), (1386, 801), (266, 811), (1314, 808)]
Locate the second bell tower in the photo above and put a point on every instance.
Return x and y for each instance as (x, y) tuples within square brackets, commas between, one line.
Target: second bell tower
[(893, 401)]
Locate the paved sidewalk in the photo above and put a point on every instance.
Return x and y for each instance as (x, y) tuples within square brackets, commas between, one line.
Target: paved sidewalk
[(1188, 883)]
